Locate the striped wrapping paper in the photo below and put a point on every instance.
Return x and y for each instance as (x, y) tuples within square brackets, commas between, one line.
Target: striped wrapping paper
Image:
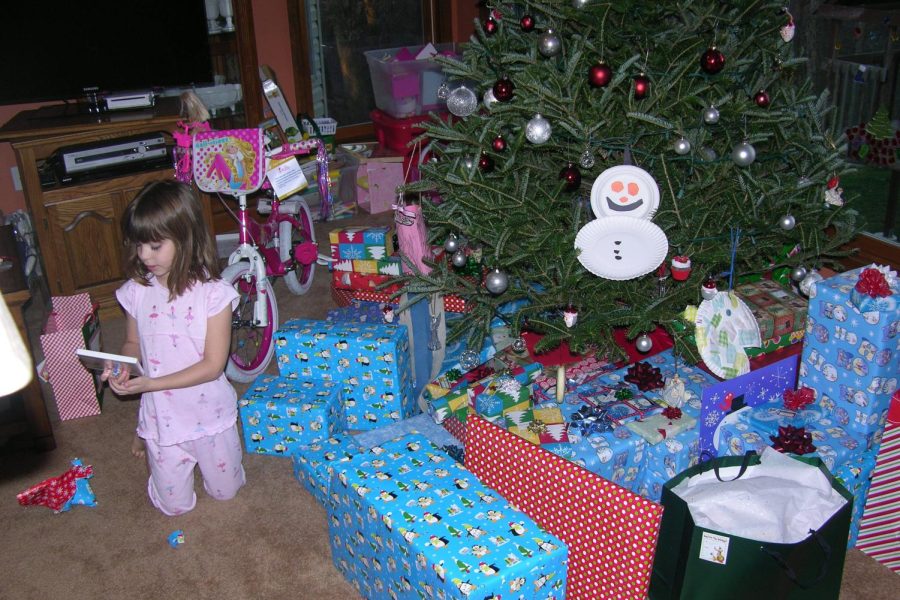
[(879, 530)]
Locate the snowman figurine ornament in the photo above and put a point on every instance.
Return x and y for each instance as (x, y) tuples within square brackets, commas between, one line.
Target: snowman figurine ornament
[(622, 242)]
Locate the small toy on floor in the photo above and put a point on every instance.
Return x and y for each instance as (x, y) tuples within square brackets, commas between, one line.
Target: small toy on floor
[(176, 538), (60, 493)]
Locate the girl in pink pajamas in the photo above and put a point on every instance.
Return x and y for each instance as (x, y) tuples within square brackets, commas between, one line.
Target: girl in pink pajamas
[(178, 324)]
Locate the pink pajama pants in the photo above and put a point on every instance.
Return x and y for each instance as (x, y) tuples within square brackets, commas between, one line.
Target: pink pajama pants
[(171, 483)]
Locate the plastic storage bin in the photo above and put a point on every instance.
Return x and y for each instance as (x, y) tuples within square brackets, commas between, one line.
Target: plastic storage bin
[(402, 85)]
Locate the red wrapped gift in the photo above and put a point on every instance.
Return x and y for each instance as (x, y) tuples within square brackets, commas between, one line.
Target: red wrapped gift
[(351, 280), (610, 531)]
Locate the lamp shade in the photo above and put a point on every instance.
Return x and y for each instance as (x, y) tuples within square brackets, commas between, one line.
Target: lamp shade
[(17, 369)]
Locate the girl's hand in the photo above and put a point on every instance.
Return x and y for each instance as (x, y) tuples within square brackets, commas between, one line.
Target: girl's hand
[(124, 386)]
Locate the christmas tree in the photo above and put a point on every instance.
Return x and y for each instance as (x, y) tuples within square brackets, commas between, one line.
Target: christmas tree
[(706, 100)]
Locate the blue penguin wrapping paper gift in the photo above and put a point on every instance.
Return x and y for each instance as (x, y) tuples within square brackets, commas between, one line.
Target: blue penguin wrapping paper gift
[(851, 358), (407, 522), (369, 362), (280, 414), (314, 463)]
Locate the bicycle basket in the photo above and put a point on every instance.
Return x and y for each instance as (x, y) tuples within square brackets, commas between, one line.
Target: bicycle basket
[(232, 161)]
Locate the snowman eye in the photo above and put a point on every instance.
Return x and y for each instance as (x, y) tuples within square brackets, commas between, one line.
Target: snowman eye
[(633, 189), (617, 186)]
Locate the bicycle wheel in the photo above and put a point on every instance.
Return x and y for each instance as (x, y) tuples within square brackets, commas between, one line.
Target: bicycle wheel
[(251, 346), (298, 243)]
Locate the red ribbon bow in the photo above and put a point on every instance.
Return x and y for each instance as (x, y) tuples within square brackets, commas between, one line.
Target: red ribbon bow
[(671, 412), (644, 376), (793, 440), (798, 399), (873, 283)]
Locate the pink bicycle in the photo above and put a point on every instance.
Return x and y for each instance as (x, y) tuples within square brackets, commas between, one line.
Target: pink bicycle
[(283, 246)]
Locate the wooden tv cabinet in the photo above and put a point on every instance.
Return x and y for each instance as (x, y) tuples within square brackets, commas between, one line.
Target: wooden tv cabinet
[(77, 225)]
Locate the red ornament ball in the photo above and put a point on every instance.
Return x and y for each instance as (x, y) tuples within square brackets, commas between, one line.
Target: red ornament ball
[(499, 144), (486, 163), (503, 89), (600, 74), (527, 23), (762, 99), (490, 26), (572, 177), (641, 86), (712, 61)]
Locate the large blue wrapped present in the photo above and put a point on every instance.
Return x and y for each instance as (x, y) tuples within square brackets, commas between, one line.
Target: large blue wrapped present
[(314, 463), (406, 521), (370, 362), (280, 414), (619, 453), (856, 476), (752, 428), (851, 358)]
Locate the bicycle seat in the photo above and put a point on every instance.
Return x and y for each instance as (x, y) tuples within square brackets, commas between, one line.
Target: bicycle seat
[(231, 161)]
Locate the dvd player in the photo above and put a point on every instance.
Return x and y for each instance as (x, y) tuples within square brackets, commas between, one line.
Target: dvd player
[(135, 151)]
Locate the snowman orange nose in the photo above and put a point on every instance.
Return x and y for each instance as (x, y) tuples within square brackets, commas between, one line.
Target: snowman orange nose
[(623, 200)]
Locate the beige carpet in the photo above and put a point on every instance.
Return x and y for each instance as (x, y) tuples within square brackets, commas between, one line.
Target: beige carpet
[(271, 541)]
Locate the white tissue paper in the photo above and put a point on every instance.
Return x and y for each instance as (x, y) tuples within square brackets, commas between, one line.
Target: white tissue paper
[(778, 501)]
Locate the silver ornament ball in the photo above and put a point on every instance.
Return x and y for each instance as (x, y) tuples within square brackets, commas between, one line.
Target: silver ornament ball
[(459, 259), (711, 115), (519, 345), (708, 154), (643, 344), (580, 3), (469, 163), (587, 159), (682, 147), (798, 273), (462, 101), (538, 130), (549, 43), (489, 99), (468, 360), (451, 244), (787, 222), (808, 285), (496, 282), (743, 154)]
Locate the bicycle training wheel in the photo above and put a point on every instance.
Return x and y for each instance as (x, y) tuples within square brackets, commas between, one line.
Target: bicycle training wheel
[(251, 346), (299, 243)]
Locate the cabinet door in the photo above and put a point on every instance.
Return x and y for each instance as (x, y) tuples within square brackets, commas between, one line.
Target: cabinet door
[(88, 241)]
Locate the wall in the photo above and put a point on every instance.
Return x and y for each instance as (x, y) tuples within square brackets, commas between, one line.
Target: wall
[(273, 48)]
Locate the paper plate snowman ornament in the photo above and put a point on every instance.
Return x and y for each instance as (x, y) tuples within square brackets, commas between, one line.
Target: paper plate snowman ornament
[(622, 243)]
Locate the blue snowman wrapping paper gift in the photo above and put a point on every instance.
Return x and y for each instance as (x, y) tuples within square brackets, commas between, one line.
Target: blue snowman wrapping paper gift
[(851, 357), (408, 522)]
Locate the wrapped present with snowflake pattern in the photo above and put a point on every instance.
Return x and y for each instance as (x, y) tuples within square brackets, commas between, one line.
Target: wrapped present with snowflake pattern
[(281, 414), (361, 243), (851, 354)]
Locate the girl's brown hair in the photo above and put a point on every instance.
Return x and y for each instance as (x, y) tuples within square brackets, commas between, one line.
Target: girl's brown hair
[(170, 210)]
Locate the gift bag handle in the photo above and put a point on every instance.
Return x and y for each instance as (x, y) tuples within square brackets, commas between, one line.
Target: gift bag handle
[(823, 570), (744, 464)]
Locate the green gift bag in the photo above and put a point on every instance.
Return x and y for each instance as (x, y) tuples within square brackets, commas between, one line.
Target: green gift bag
[(696, 563)]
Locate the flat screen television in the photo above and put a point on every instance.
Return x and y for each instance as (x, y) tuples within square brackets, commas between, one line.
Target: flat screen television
[(53, 49)]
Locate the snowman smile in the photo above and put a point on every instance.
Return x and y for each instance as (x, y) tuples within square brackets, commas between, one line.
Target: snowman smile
[(613, 206)]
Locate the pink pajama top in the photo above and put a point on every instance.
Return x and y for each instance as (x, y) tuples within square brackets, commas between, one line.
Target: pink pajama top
[(172, 337)]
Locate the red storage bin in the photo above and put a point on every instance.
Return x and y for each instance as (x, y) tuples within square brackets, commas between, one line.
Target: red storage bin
[(395, 134)]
